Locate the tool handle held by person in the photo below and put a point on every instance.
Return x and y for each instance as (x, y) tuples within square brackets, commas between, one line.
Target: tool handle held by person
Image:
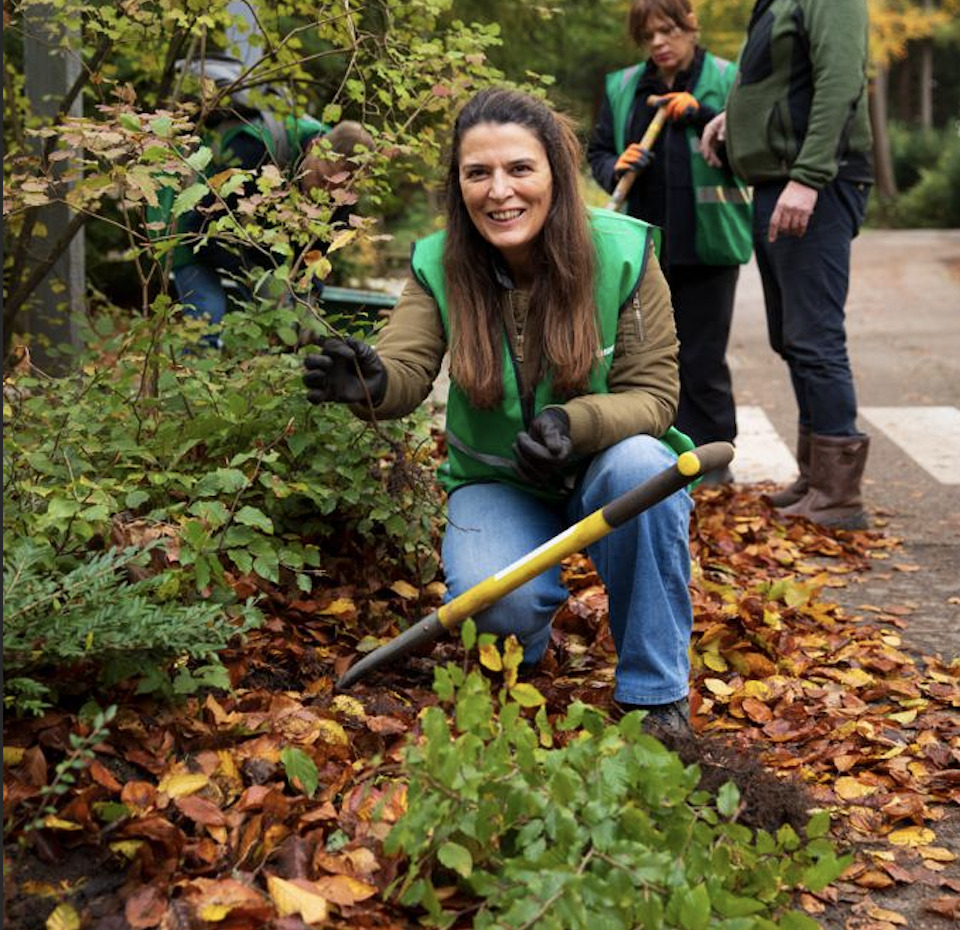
[(688, 467), (620, 192)]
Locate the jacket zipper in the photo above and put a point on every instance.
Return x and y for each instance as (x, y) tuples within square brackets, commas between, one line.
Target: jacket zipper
[(638, 317), (516, 359)]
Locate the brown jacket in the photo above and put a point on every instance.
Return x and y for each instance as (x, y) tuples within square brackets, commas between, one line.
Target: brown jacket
[(644, 382)]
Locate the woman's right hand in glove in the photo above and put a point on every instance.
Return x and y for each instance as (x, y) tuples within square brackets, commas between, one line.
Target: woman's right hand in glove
[(346, 371)]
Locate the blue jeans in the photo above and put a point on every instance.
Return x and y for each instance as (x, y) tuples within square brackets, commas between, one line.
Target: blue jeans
[(645, 565), (200, 290), (805, 281)]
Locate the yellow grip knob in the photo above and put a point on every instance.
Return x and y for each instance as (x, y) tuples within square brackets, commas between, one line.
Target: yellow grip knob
[(688, 464)]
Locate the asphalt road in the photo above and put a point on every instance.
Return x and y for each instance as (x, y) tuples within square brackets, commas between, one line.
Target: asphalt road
[(903, 317)]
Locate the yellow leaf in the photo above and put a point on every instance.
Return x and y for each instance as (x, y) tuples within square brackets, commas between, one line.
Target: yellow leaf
[(715, 662), (40, 889), (406, 590), (348, 706), (850, 788), (339, 607), (882, 913), (904, 716), (317, 265), (214, 912), (64, 917), (526, 695), (490, 657), (855, 677), (294, 899), (772, 619), (884, 855), (126, 848), (332, 732), (182, 784), (718, 687), (13, 755), (57, 823), (757, 689), (342, 238), (937, 853), (912, 836)]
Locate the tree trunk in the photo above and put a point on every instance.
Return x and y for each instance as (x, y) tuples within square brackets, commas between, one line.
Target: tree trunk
[(882, 159), (926, 75), (901, 99), (926, 83)]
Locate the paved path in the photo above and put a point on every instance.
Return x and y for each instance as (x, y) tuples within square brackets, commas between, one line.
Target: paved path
[(904, 337)]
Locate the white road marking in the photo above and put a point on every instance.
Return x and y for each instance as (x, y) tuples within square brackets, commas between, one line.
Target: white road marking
[(761, 454), (929, 435)]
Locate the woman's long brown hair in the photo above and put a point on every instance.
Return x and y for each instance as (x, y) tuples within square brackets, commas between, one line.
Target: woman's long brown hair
[(562, 315)]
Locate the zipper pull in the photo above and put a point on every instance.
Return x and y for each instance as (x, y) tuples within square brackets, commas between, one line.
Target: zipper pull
[(520, 347)]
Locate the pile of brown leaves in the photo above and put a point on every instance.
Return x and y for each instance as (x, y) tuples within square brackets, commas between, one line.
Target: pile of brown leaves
[(188, 817)]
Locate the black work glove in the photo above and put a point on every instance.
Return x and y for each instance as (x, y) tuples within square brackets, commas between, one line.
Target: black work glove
[(345, 372), (545, 449)]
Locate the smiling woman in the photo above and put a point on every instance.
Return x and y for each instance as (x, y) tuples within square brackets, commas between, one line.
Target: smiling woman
[(507, 188), (563, 362)]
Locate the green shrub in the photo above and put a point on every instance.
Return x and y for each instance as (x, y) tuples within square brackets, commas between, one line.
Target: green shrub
[(934, 201), (927, 170), (94, 616), (913, 149), (213, 466), (221, 456), (606, 830)]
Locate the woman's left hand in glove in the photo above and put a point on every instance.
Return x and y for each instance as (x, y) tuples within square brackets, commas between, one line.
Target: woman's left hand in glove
[(679, 105), (545, 449)]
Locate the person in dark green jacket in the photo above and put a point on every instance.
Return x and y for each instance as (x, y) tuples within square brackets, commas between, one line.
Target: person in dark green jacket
[(250, 143), (797, 128), (563, 371), (704, 212)]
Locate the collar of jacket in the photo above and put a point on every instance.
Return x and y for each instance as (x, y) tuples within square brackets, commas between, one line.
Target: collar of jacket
[(760, 7), (685, 80)]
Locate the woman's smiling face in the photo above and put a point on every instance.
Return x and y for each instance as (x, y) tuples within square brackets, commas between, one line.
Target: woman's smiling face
[(507, 187)]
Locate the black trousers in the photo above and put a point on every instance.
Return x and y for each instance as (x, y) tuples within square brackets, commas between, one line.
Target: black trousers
[(703, 307)]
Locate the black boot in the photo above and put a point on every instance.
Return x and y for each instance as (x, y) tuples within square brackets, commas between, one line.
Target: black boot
[(793, 492), (836, 470), (672, 719)]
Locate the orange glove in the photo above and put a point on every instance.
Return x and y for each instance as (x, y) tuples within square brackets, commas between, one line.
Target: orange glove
[(633, 158), (679, 104)]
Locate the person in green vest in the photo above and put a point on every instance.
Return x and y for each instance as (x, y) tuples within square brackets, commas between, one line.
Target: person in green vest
[(704, 212), (250, 143), (563, 378)]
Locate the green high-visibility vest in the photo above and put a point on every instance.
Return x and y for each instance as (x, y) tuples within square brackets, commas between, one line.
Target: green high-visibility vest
[(723, 205), (286, 142), (479, 442)]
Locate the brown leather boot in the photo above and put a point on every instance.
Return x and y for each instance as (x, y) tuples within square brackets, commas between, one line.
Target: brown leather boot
[(836, 469), (801, 484)]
